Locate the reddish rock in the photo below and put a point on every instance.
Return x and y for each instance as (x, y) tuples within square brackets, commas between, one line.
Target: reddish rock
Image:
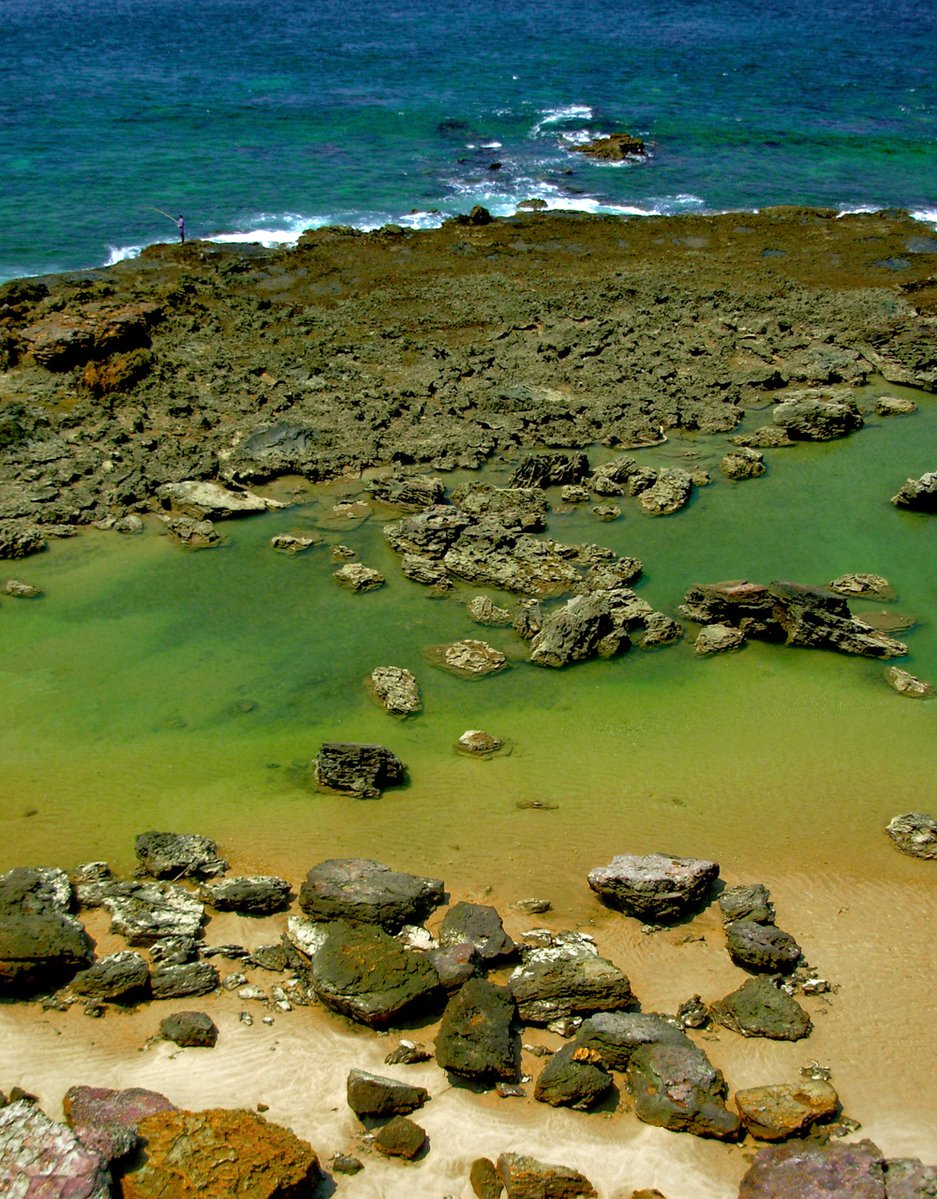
[(775, 1113), (220, 1154), (805, 1171), (527, 1178), (106, 1120), (45, 1160)]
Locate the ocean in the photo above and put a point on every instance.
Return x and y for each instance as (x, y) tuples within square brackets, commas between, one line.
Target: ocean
[(258, 120)]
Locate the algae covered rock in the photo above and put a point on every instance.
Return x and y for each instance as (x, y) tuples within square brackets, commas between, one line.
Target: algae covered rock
[(400, 1137), (189, 1029), (568, 980), (41, 944), (575, 1077), (616, 1035), (760, 1009), (119, 977), (761, 946)]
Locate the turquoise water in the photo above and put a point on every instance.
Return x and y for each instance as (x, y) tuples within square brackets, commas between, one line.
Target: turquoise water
[(151, 687), (258, 120)]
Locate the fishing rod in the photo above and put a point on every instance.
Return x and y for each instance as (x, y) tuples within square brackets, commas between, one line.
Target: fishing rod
[(165, 214)]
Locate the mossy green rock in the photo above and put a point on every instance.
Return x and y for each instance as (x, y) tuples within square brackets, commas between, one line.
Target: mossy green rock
[(760, 1009)]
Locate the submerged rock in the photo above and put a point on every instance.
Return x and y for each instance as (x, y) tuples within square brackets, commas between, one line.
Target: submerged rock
[(475, 1038), (867, 585), (527, 1178), (358, 577), (39, 1157), (202, 500), (359, 770), (372, 1095), (669, 492), (677, 1087), (914, 833), (908, 684), (655, 887), (478, 743), (469, 658), (178, 855), (919, 495), (362, 891), (760, 1009), (396, 690), (743, 463)]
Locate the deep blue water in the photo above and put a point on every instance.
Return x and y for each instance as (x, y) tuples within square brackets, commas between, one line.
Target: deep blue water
[(276, 116)]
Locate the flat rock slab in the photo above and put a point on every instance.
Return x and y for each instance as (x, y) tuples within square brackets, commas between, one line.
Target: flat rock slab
[(360, 770), (567, 980), (184, 978), (106, 1120), (362, 891), (361, 972), (40, 1158), (527, 1178), (178, 855), (655, 887), (677, 1087), (220, 1154), (475, 1038), (144, 913), (41, 944), (210, 501), (760, 1009), (805, 1171), (373, 1095)]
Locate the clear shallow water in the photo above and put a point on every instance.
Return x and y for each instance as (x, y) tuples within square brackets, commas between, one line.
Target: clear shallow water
[(155, 688), (259, 120)]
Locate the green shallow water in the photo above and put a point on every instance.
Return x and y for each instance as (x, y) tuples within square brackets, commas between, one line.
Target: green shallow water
[(153, 688)]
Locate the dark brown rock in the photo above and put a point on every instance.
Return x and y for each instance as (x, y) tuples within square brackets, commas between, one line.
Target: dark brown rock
[(41, 944), (760, 1009), (656, 887), (190, 1029), (677, 1087), (363, 891), (372, 1095), (360, 770), (475, 1038), (400, 1137), (178, 855)]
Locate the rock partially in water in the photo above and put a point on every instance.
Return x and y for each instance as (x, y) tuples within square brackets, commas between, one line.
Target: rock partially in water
[(802, 1170), (475, 1038), (654, 887), (677, 1087), (718, 639), (550, 470), (575, 1077), (17, 540), (669, 492), (177, 855), (817, 419), (39, 1157), (400, 1137), (294, 543), (201, 500), (761, 945), (616, 1035), (583, 627), (743, 463), (375, 1096), (121, 978), (17, 589), (217, 1154), (568, 979), (919, 495), (528, 1178), (409, 492), (915, 833), (760, 1009), (41, 944), (253, 895), (775, 1113), (359, 770), (483, 610), (363, 891), (358, 577), (894, 406), (396, 690), (190, 1030), (478, 743), (908, 684), (868, 586), (614, 148), (470, 659), (191, 533), (106, 1120)]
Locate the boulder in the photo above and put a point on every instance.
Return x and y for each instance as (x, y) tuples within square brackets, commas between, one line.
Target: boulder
[(747, 902), (470, 659), (656, 887), (201, 500), (41, 944), (190, 1029), (183, 978), (580, 629), (361, 891), (121, 977), (804, 1170), (361, 972), (614, 148), (760, 1009), (611, 478), (908, 684), (358, 577), (918, 495), (475, 1038), (718, 638), (396, 690), (914, 833), (359, 770), (743, 463), (253, 895), (479, 925), (568, 980), (894, 406), (219, 1154), (372, 1095), (761, 946), (144, 913), (527, 1178), (575, 1076), (677, 1087), (177, 855), (106, 1120), (616, 1035), (427, 534), (400, 1137), (816, 420), (669, 492), (774, 1113), (39, 1157)]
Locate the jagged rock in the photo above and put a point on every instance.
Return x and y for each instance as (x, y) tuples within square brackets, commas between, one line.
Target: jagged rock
[(717, 638), (293, 543), (866, 585), (677, 1087), (574, 493), (615, 147), (919, 495), (816, 420), (479, 925), (175, 951), (17, 541), (743, 463), (611, 478), (693, 1013), (427, 534), (478, 743), (41, 944), (254, 895), (201, 500), (177, 855), (606, 512), (475, 1038), (363, 973), (655, 887), (669, 492), (908, 684), (184, 978), (372, 1095), (747, 902), (483, 610), (400, 1137), (760, 1009), (358, 577), (894, 406), (413, 492), (361, 891), (359, 770), (190, 1029), (396, 690), (573, 1077), (803, 1170), (428, 571), (121, 977), (616, 1035), (514, 508), (775, 1113), (490, 554), (527, 1178), (39, 1157), (567, 980), (146, 912), (583, 627), (106, 1120), (914, 833), (219, 1154), (191, 533), (408, 1053), (549, 470), (469, 658), (17, 589), (761, 946)]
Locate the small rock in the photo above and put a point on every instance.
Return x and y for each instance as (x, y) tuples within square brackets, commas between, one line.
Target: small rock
[(293, 543), (914, 833), (575, 1076), (344, 1163), (400, 1137), (606, 512), (485, 1180), (357, 577), (775, 1113), (478, 744), (743, 463), (190, 1029), (470, 659), (396, 690), (192, 978), (908, 684), (19, 590), (359, 770), (408, 1053), (717, 638), (533, 905), (894, 406), (372, 1095), (527, 1178), (484, 611)]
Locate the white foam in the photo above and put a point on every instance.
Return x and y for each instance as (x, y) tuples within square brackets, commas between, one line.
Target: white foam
[(117, 254), (555, 116), (927, 215)]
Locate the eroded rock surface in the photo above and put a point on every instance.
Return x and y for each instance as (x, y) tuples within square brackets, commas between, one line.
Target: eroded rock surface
[(655, 887)]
